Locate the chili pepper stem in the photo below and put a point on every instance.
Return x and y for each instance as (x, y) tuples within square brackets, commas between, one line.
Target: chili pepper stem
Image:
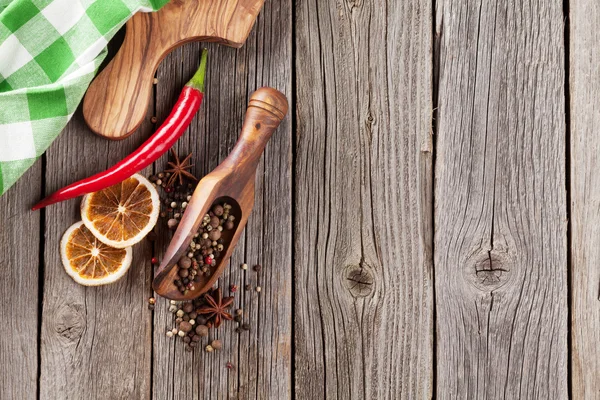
[(197, 81)]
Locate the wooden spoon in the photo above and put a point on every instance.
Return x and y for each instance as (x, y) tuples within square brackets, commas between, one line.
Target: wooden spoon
[(231, 182)]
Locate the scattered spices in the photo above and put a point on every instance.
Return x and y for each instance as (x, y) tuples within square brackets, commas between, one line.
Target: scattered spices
[(209, 348), (229, 366), (257, 268), (244, 266), (179, 169), (248, 287), (152, 300), (258, 289), (163, 139), (195, 318), (233, 288), (202, 330), (216, 308)]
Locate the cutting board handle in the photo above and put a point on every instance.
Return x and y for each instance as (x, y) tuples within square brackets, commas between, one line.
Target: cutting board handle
[(117, 100)]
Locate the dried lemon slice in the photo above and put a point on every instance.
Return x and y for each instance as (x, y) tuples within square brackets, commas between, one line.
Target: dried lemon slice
[(123, 214), (89, 261)]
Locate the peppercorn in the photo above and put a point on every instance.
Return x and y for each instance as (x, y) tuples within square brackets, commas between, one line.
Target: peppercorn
[(216, 344), (183, 273), (185, 326), (196, 338), (258, 288), (186, 339), (215, 221), (209, 348), (184, 262), (217, 210), (172, 223), (239, 311), (244, 266), (193, 313), (233, 288), (248, 287), (152, 300), (202, 330), (181, 333), (180, 313), (257, 268), (228, 225), (188, 308), (229, 366), (154, 260), (169, 334), (214, 234)]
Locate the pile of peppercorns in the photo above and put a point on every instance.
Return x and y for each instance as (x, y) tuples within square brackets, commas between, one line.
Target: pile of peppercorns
[(205, 248), (191, 326), (174, 200)]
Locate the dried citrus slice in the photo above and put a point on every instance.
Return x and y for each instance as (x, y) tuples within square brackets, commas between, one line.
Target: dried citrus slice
[(89, 261), (123, 214)]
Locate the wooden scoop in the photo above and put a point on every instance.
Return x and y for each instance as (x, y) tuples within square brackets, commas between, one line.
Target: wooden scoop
[(231, 182)]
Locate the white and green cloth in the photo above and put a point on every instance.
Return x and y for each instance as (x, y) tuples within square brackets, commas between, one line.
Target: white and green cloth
[(49, 52)]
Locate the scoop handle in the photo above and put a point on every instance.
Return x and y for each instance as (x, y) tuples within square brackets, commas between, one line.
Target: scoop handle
[(266, 109)]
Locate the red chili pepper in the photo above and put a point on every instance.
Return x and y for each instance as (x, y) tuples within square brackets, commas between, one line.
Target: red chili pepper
[(162, 140)]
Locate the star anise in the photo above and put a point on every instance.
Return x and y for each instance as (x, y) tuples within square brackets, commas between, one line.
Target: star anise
[(216, 307), (179, 169)]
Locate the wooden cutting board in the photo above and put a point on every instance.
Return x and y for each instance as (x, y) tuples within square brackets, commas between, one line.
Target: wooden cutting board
[(117, 100)]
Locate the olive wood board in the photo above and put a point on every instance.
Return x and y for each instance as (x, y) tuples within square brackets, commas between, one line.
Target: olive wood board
[(117, 100)]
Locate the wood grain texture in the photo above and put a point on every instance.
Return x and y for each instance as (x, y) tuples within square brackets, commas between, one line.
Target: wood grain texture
[(262, 357), (117, 100), (363, 233), (20, 263), (584, 81), (500, 211), (96, 341)]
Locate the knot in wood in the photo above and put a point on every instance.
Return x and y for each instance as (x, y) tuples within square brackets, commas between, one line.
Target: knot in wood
[(359, 280), (490, 270), (70, 322)]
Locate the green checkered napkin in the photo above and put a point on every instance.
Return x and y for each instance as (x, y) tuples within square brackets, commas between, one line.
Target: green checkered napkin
[(49, 52)]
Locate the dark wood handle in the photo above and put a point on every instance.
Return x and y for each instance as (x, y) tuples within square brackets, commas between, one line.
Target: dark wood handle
[(266, 110)]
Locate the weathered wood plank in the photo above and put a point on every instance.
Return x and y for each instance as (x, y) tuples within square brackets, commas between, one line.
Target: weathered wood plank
[(584, 67), (96, 342), (262, 357), (500, 214), (20, 262), (363, 229)]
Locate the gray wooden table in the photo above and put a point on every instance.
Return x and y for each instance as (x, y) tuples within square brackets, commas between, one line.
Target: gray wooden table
[(428, 217)]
